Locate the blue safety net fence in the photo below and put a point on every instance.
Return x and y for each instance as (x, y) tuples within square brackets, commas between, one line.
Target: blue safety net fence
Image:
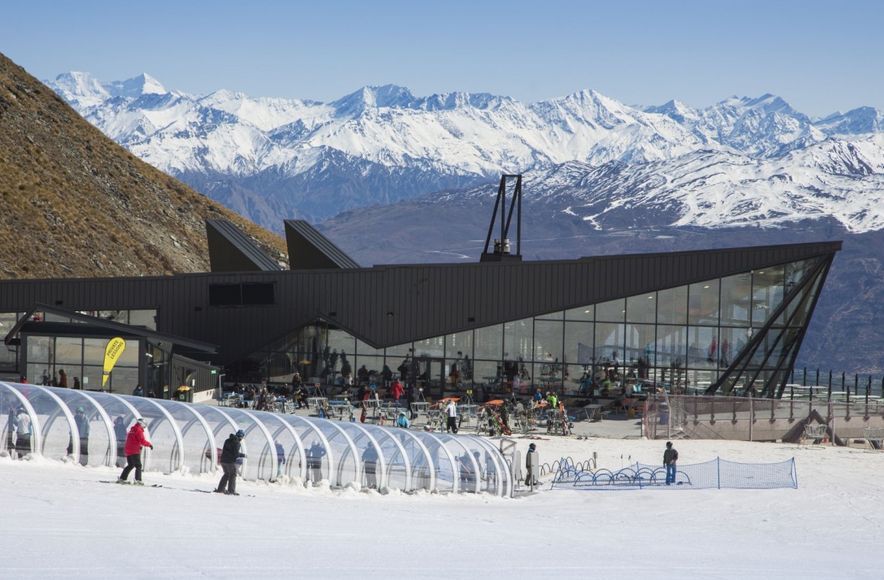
[(716, 474)]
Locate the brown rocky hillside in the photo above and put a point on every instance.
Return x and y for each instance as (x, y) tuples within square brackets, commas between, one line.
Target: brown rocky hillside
[(74, 203)]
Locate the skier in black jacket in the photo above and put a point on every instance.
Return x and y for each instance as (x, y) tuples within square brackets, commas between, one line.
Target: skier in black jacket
[(229, 454), (670, 457)]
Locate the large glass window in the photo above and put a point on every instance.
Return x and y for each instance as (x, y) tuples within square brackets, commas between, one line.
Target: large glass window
[(145, 318), (609, 341), (578, 342), (399, 350), (91, 379), (430, 347), (703, 303), (8, 354), (459, 344), (68, 350), (517, 337), (373, 364), (702, 347), (767, 293), (557, 315), (642, 308), (584, 313), (639, 343), (364, 349), (129, 357), (340, 341), (672, 305), (735, 294), (40, 349), (123, 380), (680, 336), (489, 342), (613, 311), (731, 342), (548, 336), (671, 346)]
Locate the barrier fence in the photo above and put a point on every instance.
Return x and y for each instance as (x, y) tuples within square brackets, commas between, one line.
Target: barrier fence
[(716, 474), (758, 419)]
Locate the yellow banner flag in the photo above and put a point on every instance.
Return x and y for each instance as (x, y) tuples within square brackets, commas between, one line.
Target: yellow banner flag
[(112, 353)]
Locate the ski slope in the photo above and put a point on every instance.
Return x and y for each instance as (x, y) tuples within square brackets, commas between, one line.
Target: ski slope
[(59, 521)]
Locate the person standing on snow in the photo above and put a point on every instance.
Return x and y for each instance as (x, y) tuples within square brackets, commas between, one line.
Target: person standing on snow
[(670, 457), (23, 432), (82, 422), (532, 466), (120, 434), (451, 413), (229, 454), (280, 459), (135, 441)]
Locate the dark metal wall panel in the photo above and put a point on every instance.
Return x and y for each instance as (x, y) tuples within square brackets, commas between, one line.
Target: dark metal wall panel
[(426, 300)]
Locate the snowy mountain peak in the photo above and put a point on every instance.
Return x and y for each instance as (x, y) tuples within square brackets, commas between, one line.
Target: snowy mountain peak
[(374, 97), (853, 122), (81, 89), (674, 109), (461, 100), (143, 84)]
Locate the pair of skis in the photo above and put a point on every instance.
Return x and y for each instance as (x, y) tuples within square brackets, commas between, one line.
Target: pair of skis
[(158, 485)]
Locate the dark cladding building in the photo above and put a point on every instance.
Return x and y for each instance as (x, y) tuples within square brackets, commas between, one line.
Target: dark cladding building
[(721, 321)]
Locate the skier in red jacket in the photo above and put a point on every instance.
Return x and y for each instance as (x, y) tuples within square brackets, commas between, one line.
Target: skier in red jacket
[(135, 440)]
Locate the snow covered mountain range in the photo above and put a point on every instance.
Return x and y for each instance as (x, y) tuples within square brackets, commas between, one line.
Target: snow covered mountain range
[(397, 177), (739, 161)]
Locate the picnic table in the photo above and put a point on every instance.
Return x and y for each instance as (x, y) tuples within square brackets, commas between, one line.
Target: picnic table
[(316, 403), (420, 407), (593, 412), (341, 409)]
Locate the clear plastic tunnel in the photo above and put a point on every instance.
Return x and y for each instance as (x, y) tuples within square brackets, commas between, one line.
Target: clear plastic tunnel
[(90, 428)]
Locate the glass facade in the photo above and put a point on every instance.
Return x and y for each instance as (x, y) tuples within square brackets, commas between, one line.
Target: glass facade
[(77, 362), (676, 338), (8, 353), (189, 437)]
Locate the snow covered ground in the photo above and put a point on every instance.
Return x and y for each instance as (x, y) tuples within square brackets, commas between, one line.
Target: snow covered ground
[(59, 521)]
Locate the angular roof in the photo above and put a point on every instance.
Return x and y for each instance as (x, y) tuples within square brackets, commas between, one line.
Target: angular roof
[(95, 322), (230, 250), (310, 250)]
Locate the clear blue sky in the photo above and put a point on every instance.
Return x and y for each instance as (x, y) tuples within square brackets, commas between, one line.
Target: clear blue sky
[(820, 56)]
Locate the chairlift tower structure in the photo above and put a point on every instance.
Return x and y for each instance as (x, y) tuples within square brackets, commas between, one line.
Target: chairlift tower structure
[(501, 250)]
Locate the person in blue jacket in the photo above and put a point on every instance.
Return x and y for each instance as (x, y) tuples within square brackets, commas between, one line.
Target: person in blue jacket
[(402, 420)]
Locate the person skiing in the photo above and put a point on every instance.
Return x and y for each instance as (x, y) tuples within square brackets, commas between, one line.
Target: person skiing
[(451, 413), (229, 454), (402, 420), (135, 441), (670, 457)]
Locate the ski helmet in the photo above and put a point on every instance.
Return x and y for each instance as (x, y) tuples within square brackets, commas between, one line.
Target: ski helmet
[(240, 434)]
